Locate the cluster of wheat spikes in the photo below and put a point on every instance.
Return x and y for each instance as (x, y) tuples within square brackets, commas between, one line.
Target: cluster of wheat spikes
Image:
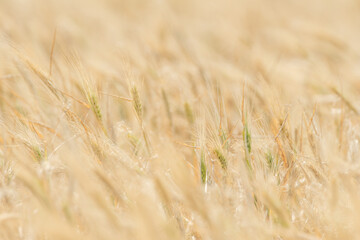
[(179, 119)]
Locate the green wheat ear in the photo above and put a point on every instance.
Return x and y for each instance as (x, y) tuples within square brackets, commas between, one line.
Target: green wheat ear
[(38, 153), (137, 103), (95, 107), (247, 143), (247, 138), (139, 113), (269, 160), (221, 158), (203, 168)]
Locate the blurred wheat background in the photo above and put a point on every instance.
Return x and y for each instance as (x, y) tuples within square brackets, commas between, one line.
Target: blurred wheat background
[(179, 119)]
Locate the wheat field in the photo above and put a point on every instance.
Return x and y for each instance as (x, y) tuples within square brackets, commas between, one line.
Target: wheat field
[(179, 119)]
